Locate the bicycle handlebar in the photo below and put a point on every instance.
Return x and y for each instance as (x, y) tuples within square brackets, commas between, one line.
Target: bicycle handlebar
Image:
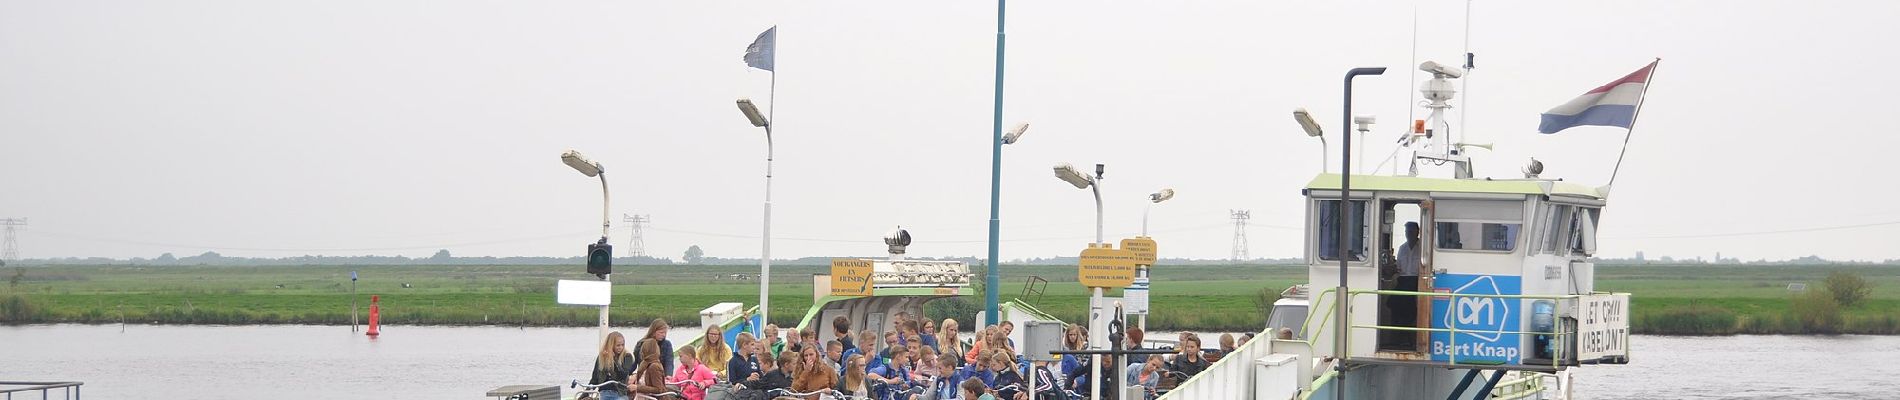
[(694, 383), (789, 392), (577, 384)]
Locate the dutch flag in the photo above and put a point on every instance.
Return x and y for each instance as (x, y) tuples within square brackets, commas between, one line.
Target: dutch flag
[(1612, 104)]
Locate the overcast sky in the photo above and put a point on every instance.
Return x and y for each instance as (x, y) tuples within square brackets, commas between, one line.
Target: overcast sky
[(398, 127)]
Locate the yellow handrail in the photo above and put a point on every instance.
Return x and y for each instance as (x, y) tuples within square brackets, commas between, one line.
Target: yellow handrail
[(1560, 354)]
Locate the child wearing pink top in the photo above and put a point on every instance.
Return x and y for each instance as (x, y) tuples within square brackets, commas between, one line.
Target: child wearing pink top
[(691, 370)]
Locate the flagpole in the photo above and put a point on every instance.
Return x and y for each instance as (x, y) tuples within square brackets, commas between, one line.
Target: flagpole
[(1653, 66), (765, 243)]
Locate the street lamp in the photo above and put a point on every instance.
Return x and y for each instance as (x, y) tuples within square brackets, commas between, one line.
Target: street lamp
[(996, 169), (991, 279), (1154, 198), (599, 254), (1097, 327), (1345, 203), (1068, 173), (1312, 129), (765, 247), (1141, 272)]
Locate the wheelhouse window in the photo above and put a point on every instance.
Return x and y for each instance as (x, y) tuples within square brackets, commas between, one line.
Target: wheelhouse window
[(1583, 231), (1554, 225), (1328, 220), (1479, 225)]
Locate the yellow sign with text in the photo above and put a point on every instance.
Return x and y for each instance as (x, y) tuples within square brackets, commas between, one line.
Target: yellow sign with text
[(850, 277), (1144, 248), (1107, 267)]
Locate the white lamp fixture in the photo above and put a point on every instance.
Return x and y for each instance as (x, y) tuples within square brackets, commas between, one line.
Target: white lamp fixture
[(1068, 173), (1305, 119), (1162, 195), (752, 113), (1015, 133), (580, 163)]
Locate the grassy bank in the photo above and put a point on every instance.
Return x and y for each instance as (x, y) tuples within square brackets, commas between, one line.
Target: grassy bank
[(1681, 300), (1736, 299), (523, 295)]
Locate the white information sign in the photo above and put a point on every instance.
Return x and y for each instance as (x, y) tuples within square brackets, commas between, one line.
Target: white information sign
[(583, 293), (1135, 298), (1603, 326)]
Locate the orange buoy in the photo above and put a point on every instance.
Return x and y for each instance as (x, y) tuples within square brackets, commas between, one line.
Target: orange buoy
[(374, 312)]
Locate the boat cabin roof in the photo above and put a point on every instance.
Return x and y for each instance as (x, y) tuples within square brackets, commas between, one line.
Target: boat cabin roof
[(1533, 187)]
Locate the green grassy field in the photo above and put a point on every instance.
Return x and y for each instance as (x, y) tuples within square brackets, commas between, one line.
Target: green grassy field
[(1668, 299), (1745, 299), (523, 295)]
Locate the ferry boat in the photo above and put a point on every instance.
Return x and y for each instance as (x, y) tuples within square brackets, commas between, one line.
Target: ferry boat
[(1499, 302), (1505, 299)]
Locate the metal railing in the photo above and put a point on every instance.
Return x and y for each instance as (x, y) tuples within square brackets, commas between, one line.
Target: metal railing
[(70, 390), (1317, 319), (1559, 353)]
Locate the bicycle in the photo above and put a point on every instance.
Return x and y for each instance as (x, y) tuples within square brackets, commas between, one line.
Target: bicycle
[(918, 390), (823, 394), (592, 391), (674, 391), (588, 391)]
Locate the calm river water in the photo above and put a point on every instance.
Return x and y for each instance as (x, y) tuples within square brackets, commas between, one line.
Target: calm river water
[(328, 362)]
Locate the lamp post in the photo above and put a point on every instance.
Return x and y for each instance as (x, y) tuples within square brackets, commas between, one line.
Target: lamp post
[(1345, 203), (593, 169), (996, 172), (765, 247), (1141, 272), (1097, 333)]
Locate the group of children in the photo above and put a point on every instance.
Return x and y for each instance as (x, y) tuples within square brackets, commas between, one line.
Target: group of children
[(919, 359)]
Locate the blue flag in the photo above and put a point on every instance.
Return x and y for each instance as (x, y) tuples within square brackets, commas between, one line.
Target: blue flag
[(759, 54)]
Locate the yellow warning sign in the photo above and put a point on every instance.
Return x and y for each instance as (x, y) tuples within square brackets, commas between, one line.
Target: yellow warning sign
[(1144, 248), (1106, 267), (850, 277)]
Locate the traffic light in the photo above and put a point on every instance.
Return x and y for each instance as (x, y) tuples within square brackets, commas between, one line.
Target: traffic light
[(600, 258)]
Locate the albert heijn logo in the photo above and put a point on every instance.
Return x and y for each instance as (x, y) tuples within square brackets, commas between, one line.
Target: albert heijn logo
[(1483, 316), (1483, 323)]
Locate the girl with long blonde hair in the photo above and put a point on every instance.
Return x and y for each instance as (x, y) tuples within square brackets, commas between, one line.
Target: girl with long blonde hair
[(714, 353), (613, 364), (948, 343), (853, 382)]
